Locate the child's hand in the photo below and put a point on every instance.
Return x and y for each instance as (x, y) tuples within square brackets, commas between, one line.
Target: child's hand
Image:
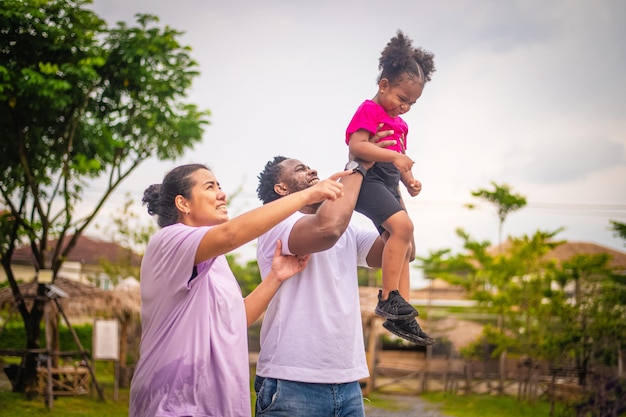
[(414, 187), (403, 162)]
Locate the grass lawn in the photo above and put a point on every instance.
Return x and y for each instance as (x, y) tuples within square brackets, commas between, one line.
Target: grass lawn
[(487, 406), (16, 405)]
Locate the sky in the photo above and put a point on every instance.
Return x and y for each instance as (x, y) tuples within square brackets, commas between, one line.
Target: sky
[(530, 93)]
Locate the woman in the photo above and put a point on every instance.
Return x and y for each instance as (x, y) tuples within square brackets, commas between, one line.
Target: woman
[(194, 349)]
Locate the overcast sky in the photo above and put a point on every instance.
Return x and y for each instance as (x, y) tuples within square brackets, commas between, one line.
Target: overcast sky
[(527, 93)]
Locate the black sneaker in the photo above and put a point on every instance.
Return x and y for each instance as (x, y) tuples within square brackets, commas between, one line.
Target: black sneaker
[(409, 330), (394, 307)]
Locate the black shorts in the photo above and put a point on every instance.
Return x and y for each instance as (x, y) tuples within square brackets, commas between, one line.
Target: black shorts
[(379, 198)]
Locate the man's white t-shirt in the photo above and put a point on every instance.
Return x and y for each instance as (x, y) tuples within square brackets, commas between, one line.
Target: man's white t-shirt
[(312, 329)]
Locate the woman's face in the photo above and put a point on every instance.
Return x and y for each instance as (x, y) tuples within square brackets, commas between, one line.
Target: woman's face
[(207, 205)]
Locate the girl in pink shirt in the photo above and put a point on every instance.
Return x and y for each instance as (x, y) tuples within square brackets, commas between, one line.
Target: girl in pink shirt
[(404, 71)]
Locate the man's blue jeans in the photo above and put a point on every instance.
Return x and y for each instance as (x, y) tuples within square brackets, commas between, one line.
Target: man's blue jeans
[(281, 398)]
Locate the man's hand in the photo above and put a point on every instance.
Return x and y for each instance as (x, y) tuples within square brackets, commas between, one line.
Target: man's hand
[(377, 140)]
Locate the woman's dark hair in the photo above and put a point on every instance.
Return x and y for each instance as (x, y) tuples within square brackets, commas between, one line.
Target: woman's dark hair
[(268, 178), (400, 57), (160, 198)]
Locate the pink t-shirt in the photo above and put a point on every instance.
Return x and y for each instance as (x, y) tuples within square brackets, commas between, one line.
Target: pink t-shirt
[(369, 115), (194, 347)]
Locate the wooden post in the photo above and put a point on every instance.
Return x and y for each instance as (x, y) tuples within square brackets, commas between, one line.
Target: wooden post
[(372, 344), (49, 398), (620, 361), (502, 372), (83, 351), (468, 378)]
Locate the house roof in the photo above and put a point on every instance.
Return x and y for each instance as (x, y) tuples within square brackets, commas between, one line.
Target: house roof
[(568, 250), (88, 251)]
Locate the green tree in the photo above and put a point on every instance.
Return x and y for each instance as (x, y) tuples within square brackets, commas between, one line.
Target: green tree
[(509, 285), (571, 313), (619, 229), (248, 275), (79, 101), (505, 201), (587, 313), (132, 235)]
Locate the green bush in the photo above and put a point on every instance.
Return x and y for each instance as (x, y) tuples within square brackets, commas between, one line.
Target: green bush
[(14, 337)]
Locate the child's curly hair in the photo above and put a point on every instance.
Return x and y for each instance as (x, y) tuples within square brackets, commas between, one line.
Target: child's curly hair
[(400, 57)]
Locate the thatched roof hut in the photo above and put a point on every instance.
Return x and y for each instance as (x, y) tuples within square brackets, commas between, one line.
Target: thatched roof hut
[(81, 300)]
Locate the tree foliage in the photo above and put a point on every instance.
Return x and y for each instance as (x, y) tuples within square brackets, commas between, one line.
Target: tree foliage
[(248, 275), (586, 314), (619, 229), (79, 101), (132, 235), (571, 313), (503, 198)]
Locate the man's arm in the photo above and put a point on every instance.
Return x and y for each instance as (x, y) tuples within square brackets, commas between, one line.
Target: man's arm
[(320, 231)]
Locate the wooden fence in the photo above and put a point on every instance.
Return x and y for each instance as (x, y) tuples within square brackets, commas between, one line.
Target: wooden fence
[(413, 372)]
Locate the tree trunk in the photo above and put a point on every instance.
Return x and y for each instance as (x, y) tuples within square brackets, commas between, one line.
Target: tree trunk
[(124, 339), (27, 377)]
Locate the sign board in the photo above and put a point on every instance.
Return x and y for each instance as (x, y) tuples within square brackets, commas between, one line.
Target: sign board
[(44, 276), (106, 342)]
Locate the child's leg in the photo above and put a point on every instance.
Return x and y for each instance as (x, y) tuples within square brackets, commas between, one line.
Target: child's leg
[(407, 328), (395, 267), (404, 283), (391, 304)]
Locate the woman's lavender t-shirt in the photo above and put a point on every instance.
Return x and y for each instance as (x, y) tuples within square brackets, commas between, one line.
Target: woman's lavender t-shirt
[(194, 347)]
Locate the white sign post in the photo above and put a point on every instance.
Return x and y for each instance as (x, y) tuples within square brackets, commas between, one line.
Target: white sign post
[(106, 346)]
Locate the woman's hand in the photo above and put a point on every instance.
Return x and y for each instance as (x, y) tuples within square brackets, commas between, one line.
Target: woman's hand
[(328, 189), (283, 268), (286, 266)]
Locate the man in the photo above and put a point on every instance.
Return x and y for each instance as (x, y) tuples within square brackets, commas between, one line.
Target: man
[(312, 353)]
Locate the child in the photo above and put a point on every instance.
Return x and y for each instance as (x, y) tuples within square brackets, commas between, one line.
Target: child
[(404, 71)]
